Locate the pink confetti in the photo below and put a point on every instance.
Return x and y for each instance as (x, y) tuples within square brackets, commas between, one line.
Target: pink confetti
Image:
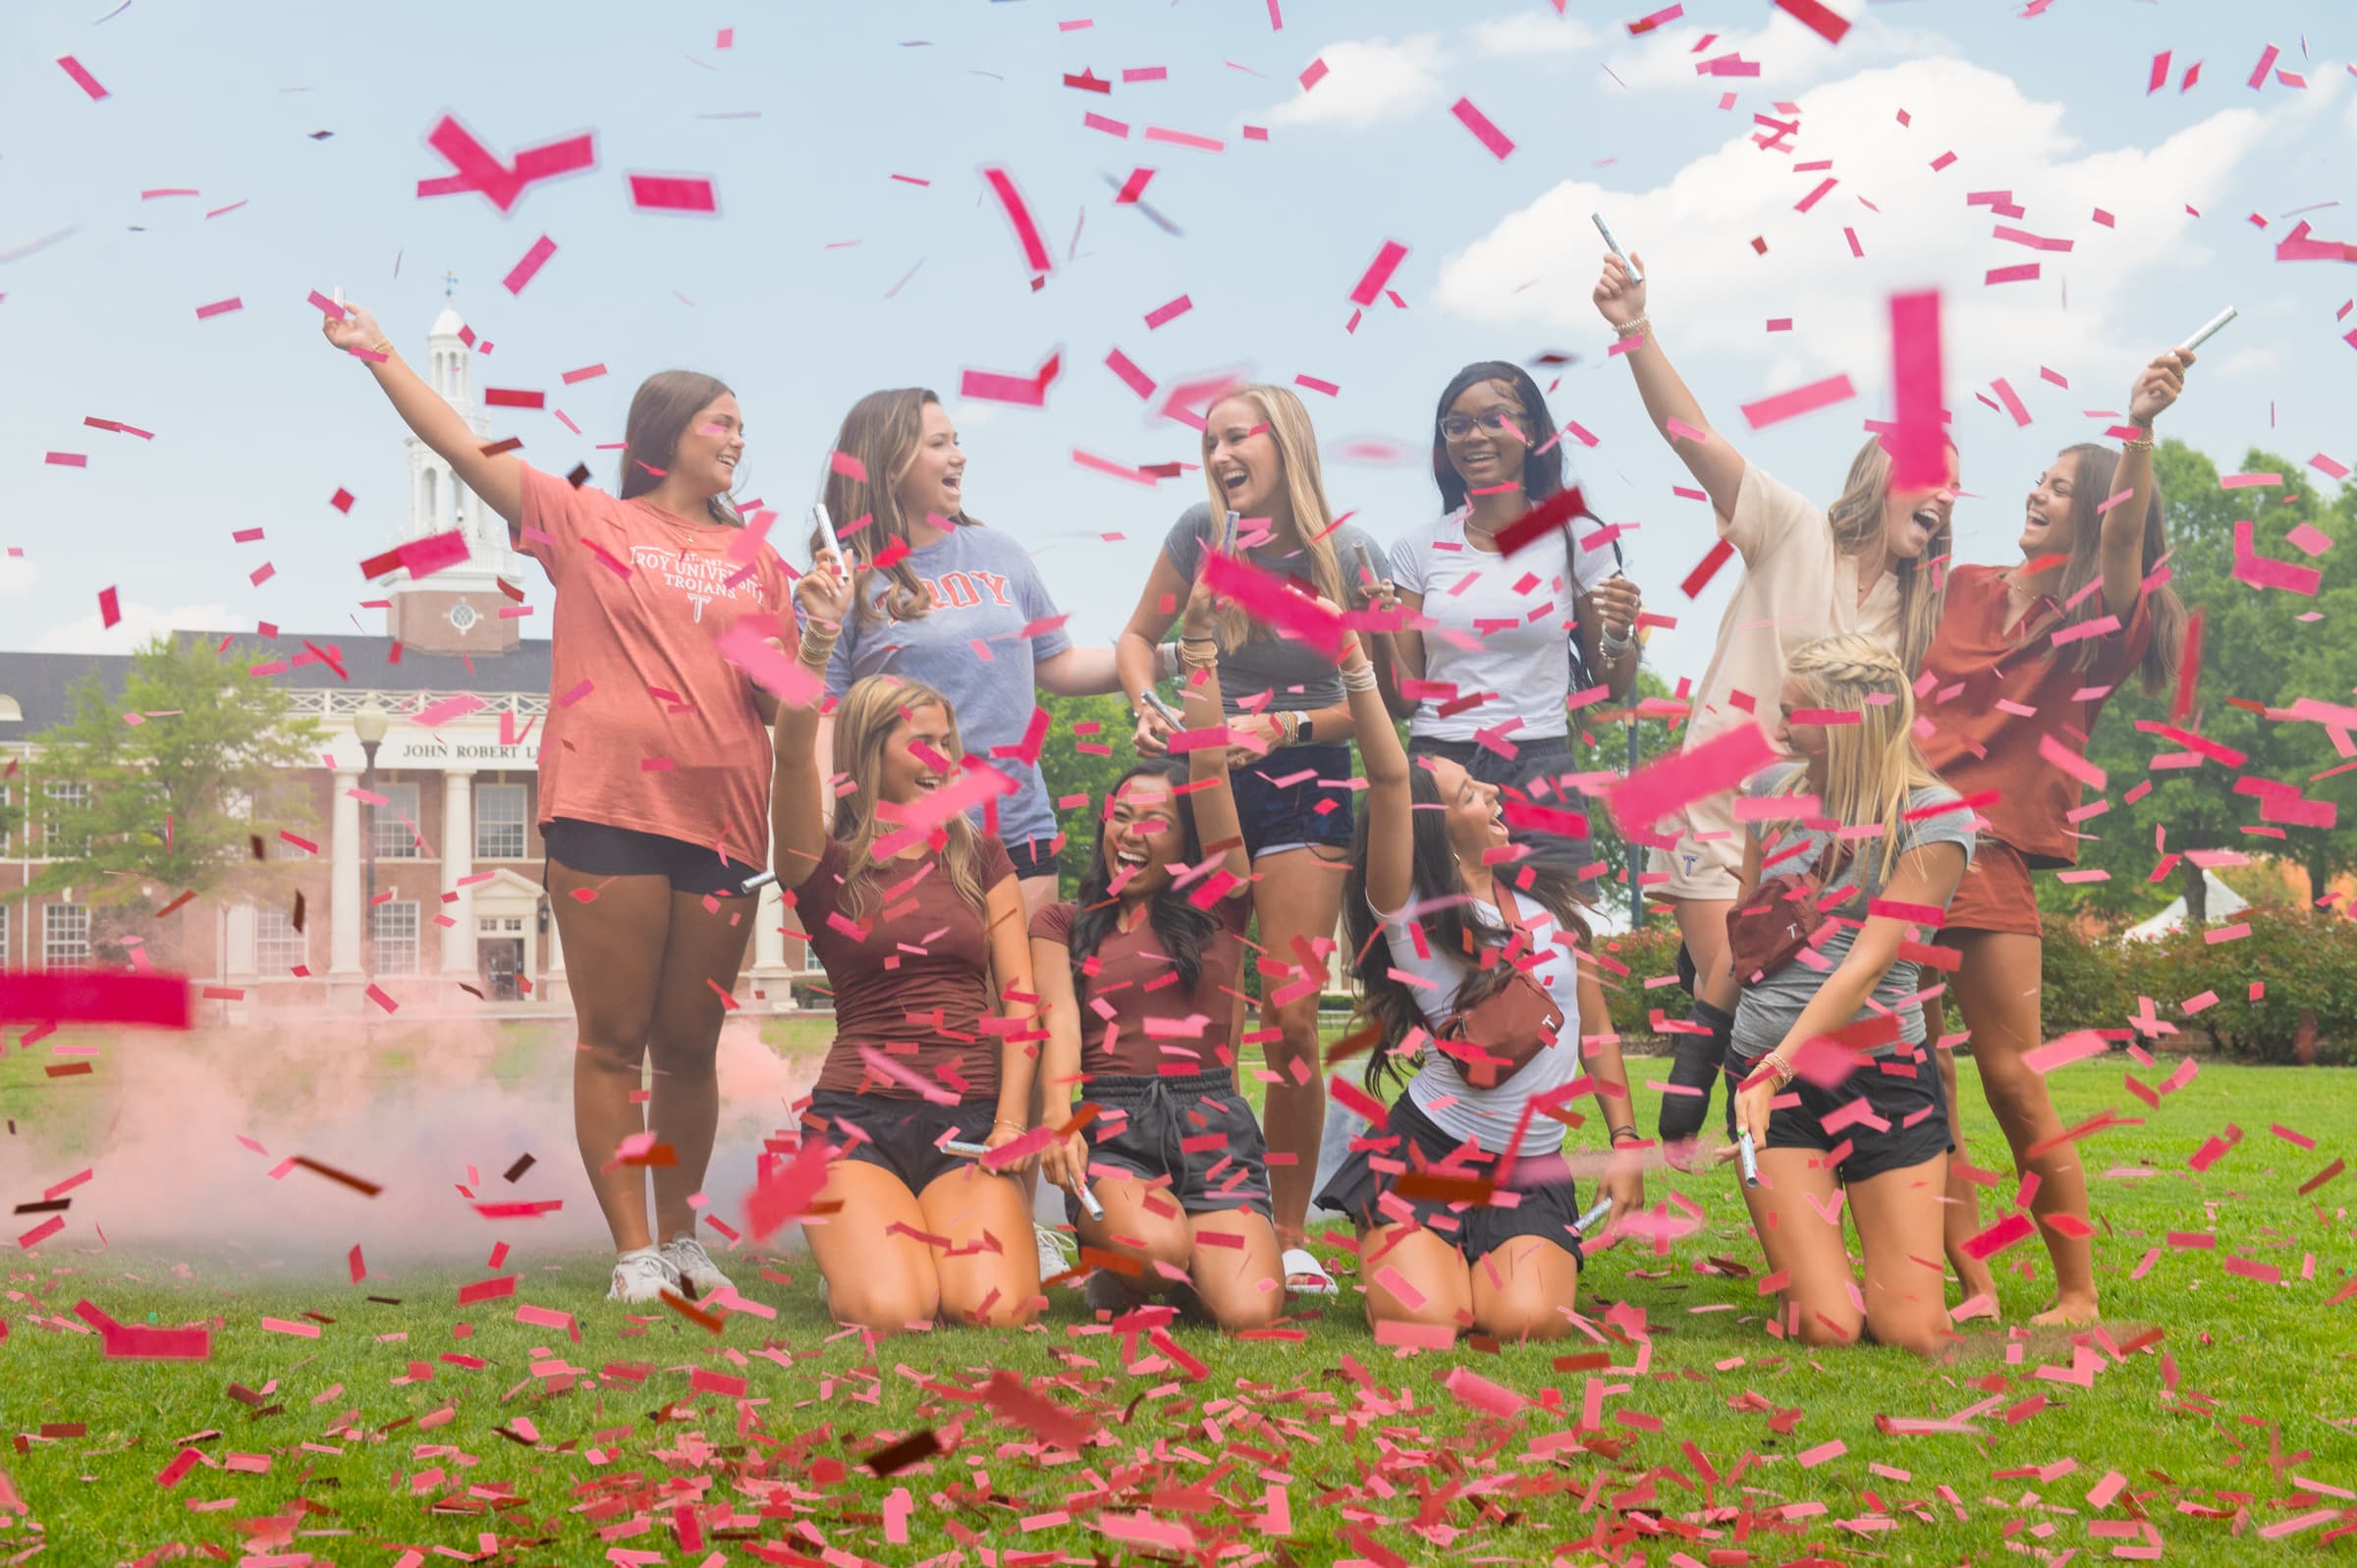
[(2062, 1052), (1029, 392), (1134, 379), (1169, 312), (2022, 273), (220, 307), (1019, 216), (1313, 73), (1917, 441), (1484, 131), (1799, 401), (67, 459), (110, 607), (1667, 785), (503, 186), (650, 192), (1822, 20), (1378, 272), (82, 79), (2013, 405), (529, 266)]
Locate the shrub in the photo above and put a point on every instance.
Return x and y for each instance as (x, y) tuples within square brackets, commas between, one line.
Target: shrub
[(1648, 954), (2304, 967)]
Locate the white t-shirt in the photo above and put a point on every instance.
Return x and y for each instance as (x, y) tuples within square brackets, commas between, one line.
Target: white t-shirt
[(1504, 623), (1438, 1090)]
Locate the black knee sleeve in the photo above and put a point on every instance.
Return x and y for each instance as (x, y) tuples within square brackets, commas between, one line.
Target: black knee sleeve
[(1698, 1063)]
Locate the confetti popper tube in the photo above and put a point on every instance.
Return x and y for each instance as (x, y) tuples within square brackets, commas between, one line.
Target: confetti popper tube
[(2209, 330), (826, 530), (1603, 1206), (1613, 246), (757, 881), (1366, 564), (1088, 1200), (1164, 708), (1749, 1158), (957, 1146)]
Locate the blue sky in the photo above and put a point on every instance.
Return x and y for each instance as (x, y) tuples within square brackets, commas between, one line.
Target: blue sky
[(804, 121)]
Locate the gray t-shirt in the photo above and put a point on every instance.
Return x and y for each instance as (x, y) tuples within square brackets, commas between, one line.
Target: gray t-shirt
[(970, 648), (1769, 1010), (1299, 674)]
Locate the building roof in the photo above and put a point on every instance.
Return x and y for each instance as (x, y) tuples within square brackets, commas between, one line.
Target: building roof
[(41, 685)]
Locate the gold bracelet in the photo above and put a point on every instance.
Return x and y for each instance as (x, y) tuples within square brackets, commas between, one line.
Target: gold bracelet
[(2143, 445), (1002, 1121), (384, 345), (1629, 329), (1778, 1069)]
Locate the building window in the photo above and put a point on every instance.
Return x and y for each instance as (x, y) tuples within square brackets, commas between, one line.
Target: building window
[(8, 835), (396, 833), (72, 796), (65, 936), (394, 927), (278, 947), (499, 826)]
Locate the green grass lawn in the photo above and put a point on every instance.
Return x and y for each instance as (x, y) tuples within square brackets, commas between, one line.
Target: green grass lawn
[(415, 1431)]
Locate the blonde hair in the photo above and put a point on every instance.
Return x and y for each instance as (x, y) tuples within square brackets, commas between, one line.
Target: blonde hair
[(865, 722), (1871, 767), (1297, 442), (883, 431), (1857, 519)]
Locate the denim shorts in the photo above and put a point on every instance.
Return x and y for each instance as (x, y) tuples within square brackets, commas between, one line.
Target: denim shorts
[(1897, 1089), (1304, 812), (1195, 1130)]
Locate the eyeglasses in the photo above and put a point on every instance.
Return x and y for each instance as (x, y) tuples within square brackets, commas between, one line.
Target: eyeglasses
[(1497, 421)]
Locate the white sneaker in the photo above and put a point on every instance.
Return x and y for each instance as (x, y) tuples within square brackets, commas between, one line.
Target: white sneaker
[(694, 1266), (642, 1277), (1056, 1251)]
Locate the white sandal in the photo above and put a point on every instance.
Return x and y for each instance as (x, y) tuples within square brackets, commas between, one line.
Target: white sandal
[(1300, 1263)]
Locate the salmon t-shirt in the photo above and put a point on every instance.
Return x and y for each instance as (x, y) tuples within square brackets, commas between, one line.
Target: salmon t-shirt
[(910, 971), (648, 728), (1998, 692), (1797, 588), (1136, 1020)]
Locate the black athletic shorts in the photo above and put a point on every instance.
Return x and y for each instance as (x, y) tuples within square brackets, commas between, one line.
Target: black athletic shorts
[(1901, 1092), (1194, 1129), (903, 1134), (1415, 1140), (1031, 858), (596, 849)]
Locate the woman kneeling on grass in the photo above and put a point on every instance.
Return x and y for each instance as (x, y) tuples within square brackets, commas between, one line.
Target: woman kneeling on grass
[(1466, 1214), (1840, 1098), (916, 917), (1134, 979)]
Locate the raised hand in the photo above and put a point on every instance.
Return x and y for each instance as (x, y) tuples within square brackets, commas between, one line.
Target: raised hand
[(1617, 603), (1619, 300), (357, 329), (2159, 385), (825, 590)]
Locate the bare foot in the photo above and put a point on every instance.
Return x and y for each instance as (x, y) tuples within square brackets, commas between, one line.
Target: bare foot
[(2070, 1310)]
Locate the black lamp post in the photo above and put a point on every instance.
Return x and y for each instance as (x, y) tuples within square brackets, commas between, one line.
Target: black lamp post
[(368, 727)]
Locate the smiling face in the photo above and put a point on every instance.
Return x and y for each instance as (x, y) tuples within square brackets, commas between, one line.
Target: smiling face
[(919, 755), (2046, 528), (934, 482), (1913, 519), (1142, 838), (1241, 451), (710, 447), (1473, 812), (1803, 741), (1494, 445)]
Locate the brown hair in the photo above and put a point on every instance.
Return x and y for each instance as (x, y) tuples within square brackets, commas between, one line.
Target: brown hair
[(650, 438), (882, 431), (2098, 466), (1857, 519), (865, 720)]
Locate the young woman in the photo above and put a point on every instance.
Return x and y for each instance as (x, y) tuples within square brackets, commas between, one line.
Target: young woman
[(950, 604), (1868, 564), (1292, 757), (1866, 840), (1497, 633), (2024, 654), (636, 858), (918, 919), (1474, 968), (1136, 981)]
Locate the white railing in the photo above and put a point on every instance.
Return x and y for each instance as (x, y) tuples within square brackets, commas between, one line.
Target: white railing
[(342, 702)]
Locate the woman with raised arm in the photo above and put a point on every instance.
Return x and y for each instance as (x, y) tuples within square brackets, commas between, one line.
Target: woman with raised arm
[(950, 604), (1870, 563), (1292, 733), (2026, 655), (1839, 1100), (637, 857), (919, 922), (1500, 642), (1135, 982), (1472, 970)]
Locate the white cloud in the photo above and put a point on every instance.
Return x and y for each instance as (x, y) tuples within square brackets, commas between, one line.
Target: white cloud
[(1368, 79), (1790, 55), (17, 575), (1526, 33), (139, 622), (1708, 286)]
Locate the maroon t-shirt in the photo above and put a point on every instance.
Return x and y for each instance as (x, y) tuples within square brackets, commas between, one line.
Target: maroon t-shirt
[(1129, 983), (911, 974), (1996, 691)]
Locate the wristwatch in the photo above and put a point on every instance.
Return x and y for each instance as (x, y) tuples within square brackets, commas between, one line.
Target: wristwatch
[(1301, 731)]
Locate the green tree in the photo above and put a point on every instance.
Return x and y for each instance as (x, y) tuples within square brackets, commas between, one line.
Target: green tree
[(159, 790), (1602, 746), (2262, 649)]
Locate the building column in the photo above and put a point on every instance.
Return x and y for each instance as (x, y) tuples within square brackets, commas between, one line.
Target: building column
[(458, 863), (238, 962), (343, 911), (770, 974)]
